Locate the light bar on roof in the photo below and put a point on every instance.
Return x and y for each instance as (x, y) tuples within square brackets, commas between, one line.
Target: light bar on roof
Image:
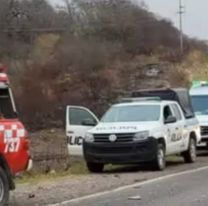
[(123, 100), (3, 75)]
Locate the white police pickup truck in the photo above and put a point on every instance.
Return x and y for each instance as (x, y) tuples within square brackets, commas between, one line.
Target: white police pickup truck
[(145, 128)]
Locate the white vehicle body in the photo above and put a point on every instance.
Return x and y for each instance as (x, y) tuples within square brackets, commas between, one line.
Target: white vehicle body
[(199, 97), (176, 135), (75, 130)]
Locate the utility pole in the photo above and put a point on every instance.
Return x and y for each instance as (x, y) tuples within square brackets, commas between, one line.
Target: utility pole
[(181, 12)]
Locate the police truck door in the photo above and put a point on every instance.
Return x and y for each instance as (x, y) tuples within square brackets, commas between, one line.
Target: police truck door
[(78, 121), (181, 130)]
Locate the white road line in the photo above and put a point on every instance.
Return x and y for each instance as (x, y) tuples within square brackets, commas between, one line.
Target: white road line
[(77, 200), (134, 198)]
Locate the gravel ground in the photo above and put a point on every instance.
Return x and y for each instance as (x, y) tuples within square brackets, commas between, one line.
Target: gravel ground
[(66, 188)]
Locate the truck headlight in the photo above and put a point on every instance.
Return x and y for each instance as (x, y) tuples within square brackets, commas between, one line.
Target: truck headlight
[(140, 136), (89, 137)]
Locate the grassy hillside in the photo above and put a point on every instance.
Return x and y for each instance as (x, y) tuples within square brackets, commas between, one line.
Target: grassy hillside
[(89, 53)]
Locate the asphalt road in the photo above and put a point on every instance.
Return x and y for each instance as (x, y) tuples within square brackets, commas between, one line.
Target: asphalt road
[(64, 190), (184, 190)]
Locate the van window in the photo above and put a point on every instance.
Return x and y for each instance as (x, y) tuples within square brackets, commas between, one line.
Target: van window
[(200, 104)]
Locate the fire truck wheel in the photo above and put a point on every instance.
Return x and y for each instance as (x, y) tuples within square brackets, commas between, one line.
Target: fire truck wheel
[(4, 188)]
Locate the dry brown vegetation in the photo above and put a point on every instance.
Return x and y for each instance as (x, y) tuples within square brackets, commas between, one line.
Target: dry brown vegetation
[(87, 53)]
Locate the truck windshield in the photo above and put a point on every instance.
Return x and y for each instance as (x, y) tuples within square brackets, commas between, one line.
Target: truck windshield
[(6, 107), (200, 104), (138, 113)]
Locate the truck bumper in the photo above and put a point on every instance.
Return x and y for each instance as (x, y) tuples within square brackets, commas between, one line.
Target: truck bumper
[(121, 153)]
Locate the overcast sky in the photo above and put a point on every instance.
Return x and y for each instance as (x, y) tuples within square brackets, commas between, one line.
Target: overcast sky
[(195, 18), (195, 23)]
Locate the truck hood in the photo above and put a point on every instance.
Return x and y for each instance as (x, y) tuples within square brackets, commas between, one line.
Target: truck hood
[(120, 127), (203, 119)]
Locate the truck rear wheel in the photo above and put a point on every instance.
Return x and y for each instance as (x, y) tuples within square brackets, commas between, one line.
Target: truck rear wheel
[(160, 162), (95, 167), (190, 155), (4, 188)]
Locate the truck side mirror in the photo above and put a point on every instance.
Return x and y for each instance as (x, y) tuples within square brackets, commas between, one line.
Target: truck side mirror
[(170, 119)]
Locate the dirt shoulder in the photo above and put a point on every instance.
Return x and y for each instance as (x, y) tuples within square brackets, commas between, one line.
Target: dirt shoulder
[(49, 151), (57, 189)]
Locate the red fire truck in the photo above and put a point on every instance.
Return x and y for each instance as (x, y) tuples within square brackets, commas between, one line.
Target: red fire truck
[(14, 143)]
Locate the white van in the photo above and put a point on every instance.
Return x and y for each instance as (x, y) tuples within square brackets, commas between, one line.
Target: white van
[(199, 96)]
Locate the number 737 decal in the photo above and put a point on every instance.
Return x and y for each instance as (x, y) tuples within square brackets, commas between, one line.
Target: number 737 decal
[(12, 144)]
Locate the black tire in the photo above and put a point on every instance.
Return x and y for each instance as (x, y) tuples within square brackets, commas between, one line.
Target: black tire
[(160, 161), (190, 155), (4, 188), (95, 167)]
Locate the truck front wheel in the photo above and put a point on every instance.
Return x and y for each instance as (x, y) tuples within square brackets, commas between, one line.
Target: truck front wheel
[(160, 162), (190, 155), (95, 167), (4, 188)]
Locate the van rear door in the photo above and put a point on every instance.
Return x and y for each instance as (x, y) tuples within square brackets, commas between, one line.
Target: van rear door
[(78, 121)]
